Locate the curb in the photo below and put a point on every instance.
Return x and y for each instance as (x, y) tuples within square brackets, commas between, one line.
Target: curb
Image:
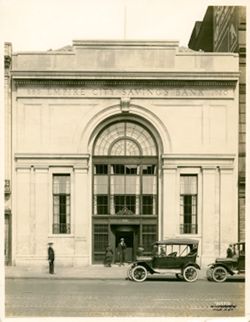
[(63, 278)]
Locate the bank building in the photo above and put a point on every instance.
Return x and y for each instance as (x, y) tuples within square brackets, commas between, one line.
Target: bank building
[(119, 139)]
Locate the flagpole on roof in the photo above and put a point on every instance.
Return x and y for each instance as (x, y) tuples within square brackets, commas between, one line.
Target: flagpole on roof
[(125, 21)]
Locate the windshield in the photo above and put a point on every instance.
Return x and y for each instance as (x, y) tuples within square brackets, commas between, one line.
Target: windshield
[(173, 250)]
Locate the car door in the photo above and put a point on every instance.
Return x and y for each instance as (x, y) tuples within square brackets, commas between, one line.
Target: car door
[(241, 260)]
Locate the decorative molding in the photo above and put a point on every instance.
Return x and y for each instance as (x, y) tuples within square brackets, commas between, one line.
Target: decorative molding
[(125, 104), (40, 156), (62, 78), (124, 212), (124, 90), (41, 167), (198, 156), (209, 167), (42, 162), (169, 167), (204, 161), (124, 43), (7, 187)]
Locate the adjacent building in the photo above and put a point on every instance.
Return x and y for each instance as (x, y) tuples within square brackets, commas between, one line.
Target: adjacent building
[(223, 29), (111, 139)]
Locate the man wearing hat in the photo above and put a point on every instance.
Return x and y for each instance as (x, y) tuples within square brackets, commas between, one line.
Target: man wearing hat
[(51, 258), (230, 251), (121, 251)]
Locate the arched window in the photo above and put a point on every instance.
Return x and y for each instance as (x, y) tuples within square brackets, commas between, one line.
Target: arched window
[(125, 163), (125, 171), (125, 139)]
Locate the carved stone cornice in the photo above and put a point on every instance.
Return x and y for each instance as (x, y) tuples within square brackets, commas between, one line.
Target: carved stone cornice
[(40, 161), (44, 156), (30, 82), (204, 161), (172, 77)]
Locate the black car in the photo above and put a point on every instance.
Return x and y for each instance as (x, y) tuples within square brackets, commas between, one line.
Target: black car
[(228, 266), (172, 256)]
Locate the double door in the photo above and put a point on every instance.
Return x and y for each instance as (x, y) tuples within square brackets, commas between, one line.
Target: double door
[(130, 234)]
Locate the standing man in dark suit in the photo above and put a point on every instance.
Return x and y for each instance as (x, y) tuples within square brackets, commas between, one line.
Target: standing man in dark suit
[(121, 248), (51, 258)]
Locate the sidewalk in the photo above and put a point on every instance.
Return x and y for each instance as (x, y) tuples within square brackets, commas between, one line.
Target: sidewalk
[(97, 272), (63, 272)]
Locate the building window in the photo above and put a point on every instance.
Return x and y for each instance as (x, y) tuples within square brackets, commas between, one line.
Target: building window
[(148, 205), (188, 204), (149, 236), (100, 241), (61, 204), (125, 189)]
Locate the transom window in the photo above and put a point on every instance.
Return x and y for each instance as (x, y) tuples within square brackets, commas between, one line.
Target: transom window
[(125, 139)]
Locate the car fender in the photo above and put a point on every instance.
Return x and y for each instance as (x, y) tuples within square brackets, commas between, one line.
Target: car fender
[(191, 264), (225, 266), (211, 266), (146, 265)]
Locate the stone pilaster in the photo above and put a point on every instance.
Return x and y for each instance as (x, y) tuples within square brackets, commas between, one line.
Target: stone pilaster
[(21, 218), (210, 216), (169, 202), (82, 214), (42, 210), (229, 220)]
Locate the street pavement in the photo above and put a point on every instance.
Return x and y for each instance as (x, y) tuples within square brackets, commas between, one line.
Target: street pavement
[(97, 291), (166, 297)]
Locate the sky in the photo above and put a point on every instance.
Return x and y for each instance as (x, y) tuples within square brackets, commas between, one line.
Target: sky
[(34, 25)]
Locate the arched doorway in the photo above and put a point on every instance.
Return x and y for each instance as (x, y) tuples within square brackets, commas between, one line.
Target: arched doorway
[(125, 188)]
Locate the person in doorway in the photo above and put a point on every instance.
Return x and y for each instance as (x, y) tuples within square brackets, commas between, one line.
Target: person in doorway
[(51, 258), (121, 249), (140, 251), (230, 251), (108, 256)]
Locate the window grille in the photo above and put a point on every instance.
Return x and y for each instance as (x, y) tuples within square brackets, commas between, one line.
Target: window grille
[(100, 241), (188, 204)]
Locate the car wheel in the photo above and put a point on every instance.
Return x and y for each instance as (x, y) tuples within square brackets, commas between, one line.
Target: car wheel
[(179, 276), (139, 273), (219, 274), (190, 274), (129, 272)]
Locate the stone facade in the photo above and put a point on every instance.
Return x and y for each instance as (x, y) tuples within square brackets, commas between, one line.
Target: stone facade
[(184, 103)]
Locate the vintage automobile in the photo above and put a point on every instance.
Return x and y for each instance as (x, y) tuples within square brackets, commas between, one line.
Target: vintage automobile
[(224, 267), (172, 256)]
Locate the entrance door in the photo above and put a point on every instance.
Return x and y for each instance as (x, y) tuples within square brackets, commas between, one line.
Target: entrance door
[(129, 241), (130, 233)]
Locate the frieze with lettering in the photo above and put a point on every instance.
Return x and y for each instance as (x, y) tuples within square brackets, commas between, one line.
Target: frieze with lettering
[(136, 92)]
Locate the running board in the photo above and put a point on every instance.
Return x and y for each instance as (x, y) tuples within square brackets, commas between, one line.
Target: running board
[(168, 271)]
